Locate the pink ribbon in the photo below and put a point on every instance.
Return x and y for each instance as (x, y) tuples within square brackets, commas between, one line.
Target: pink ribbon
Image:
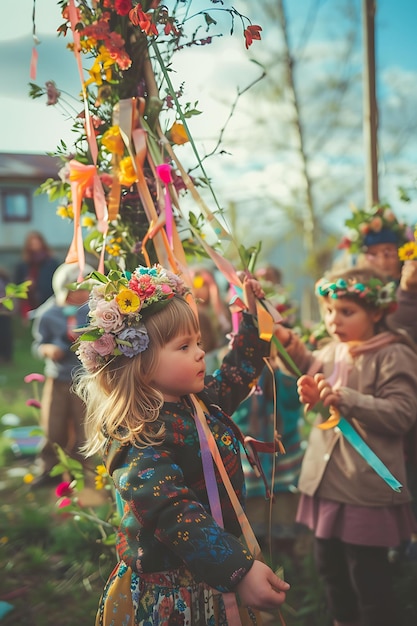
[(164, 174)]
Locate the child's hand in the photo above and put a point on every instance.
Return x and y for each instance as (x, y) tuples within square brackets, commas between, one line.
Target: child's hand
[(409, 276), (253, 290), (261, 588), (327, 394), (51, 351), (308, 391)]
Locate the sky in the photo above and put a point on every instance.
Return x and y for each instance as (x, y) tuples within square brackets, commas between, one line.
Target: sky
[(34, 127), (213, 79)]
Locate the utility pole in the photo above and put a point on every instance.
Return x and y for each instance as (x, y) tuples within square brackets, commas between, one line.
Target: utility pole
[(370, 112)]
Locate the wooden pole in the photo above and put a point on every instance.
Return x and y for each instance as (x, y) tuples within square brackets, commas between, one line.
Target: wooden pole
[(370, 113)]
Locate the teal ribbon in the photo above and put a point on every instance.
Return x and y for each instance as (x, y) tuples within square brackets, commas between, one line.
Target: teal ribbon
[(365, 451)]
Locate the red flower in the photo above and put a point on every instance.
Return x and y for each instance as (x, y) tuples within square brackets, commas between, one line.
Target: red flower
[(251, 33), (344, 244), (141, 19), (63, 489), (122, 7), (64, 503)]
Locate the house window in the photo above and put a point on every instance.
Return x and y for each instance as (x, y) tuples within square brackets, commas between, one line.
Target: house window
[(16, 205)]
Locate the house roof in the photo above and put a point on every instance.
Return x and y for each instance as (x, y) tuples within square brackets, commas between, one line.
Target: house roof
[(15, 166)]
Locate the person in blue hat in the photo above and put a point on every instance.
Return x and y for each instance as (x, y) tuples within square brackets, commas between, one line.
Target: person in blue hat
[(373, 238)]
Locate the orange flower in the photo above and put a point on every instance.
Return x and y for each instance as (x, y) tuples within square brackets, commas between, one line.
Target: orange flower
[(178, 134)]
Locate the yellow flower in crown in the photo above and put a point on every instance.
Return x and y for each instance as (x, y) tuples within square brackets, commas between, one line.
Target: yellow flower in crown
[(128, 301), (127, 172)]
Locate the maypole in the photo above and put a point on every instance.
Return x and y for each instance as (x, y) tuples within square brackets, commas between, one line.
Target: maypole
[(123, 185)]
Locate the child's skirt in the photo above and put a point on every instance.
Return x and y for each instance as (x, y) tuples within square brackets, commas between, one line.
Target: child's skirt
[(170, 598)]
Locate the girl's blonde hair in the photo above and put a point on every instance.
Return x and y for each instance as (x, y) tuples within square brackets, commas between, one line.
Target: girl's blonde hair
[(120, 400)]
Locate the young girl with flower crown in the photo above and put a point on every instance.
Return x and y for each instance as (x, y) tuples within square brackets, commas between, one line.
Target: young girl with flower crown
[(153, 414), (369, 375)]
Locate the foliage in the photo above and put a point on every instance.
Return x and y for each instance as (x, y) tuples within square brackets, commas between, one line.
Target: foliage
[(14, 291)]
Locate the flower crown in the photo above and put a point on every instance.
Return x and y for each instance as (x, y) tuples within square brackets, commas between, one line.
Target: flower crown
[(118, 302), (376, 225), (374, 292)]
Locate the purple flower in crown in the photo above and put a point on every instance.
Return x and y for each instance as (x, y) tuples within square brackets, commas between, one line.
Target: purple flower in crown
[(137, 338)]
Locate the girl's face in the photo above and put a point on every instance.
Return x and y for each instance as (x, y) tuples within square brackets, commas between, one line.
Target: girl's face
[(348, 321), (181, 367)]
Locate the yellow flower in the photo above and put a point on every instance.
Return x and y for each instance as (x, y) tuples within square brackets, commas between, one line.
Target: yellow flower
[(65, 211), (112, 140), (128, 301), (88, 221), (408, 251), (113, 249), (178, 134), (100, 479), (127, 173), (101, 470), (28, 478), (4, 540)]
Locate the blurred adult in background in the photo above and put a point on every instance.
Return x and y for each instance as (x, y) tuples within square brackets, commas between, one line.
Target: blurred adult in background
[(214, 315), (37, 265)]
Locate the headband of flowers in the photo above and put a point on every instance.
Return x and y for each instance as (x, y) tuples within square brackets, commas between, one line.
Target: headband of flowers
[(118, 302), (376, 225), (375, 292)]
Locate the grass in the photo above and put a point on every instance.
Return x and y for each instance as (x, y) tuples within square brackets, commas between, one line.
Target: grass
[(54, 566)]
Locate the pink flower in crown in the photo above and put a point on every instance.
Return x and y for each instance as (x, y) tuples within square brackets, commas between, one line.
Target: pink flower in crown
[(166, 289), (108, 316), (364, 228), (147, 291), (389, 215), (376, 224), (88, 356), (104, 345)]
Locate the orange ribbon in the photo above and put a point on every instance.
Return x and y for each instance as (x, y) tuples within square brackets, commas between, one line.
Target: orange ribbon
[(81, 177)]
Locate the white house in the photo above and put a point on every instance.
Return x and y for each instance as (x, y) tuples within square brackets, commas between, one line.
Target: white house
[(22, 211)]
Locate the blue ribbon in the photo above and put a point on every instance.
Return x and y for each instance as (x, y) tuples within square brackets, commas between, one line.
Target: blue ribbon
[(365, 451)]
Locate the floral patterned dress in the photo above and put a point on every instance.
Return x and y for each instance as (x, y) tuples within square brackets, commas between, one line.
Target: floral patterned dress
[(175, 560)]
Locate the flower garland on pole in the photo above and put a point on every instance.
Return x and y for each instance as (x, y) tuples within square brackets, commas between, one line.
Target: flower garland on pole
[(123, 183)]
